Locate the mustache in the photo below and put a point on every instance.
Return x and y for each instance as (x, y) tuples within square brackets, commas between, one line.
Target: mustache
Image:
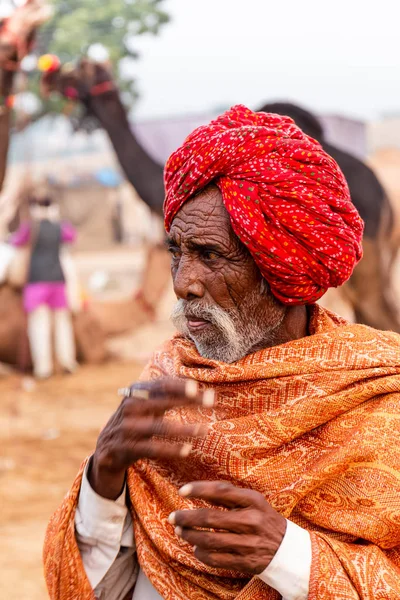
[(223, 343), (216, 315), (184, 309)]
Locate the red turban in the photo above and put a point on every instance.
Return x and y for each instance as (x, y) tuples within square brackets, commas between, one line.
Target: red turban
[(287, 199)]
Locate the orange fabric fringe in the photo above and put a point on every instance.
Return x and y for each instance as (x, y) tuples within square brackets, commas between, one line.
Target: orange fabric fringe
[(313, 425)]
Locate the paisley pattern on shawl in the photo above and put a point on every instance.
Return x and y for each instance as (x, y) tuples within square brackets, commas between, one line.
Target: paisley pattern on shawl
[(313, 425)]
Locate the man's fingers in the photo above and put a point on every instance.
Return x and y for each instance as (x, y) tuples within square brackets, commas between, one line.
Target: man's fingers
[(171, 387), (172, 390), (162, 387), (237, 521), (147, 428), (222, 493), (232, 543), (172, 430), (219, 560), (160, 406)]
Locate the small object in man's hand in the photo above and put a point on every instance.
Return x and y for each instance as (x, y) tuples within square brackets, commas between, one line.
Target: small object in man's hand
[(131, 392)]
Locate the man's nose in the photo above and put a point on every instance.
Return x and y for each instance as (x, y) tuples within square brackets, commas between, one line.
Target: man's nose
[(187, 280)]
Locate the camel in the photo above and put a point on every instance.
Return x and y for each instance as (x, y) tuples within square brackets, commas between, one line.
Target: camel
[(386, 164), (16, 37), (370, 288), (91, 84)]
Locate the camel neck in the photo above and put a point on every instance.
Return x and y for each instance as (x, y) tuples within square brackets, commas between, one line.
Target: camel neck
[(140, 169)]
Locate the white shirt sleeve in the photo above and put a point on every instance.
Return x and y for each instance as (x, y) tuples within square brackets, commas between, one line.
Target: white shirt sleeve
[(289, 571), (104, 534)]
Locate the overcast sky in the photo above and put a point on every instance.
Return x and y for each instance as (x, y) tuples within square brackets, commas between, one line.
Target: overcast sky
[(341, 56)]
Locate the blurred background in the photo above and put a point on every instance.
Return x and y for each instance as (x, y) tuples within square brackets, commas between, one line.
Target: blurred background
[(102, 92)]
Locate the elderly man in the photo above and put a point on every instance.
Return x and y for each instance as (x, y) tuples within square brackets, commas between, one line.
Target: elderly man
[(258, 457)]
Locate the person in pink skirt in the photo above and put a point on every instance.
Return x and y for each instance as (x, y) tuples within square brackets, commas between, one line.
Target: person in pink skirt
[(45, 295)]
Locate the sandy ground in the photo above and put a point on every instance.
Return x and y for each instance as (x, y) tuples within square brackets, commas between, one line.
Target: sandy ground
[(45, 433)]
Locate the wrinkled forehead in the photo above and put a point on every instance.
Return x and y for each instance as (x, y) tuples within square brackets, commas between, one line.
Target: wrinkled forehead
[(203, 216)]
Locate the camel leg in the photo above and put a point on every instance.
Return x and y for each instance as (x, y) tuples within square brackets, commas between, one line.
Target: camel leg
[(64, 340), (39, 333)]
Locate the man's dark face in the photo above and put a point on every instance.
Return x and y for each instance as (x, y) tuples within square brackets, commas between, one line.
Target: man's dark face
[(224, 305)]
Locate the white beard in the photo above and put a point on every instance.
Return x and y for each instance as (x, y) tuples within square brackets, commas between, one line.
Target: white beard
[(233, 335)]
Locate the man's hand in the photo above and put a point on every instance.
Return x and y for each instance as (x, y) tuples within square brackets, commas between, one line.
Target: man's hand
[(244, 538), (129, 434)]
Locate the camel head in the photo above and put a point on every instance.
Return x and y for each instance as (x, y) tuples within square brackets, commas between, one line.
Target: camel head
[(81, 82), (308, 122)]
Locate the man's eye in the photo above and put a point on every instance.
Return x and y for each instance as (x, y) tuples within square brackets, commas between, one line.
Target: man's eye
[(174, 252), (209, 255)]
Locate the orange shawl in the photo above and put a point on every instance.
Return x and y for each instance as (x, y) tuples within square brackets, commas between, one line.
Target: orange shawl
[(313, 425)]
